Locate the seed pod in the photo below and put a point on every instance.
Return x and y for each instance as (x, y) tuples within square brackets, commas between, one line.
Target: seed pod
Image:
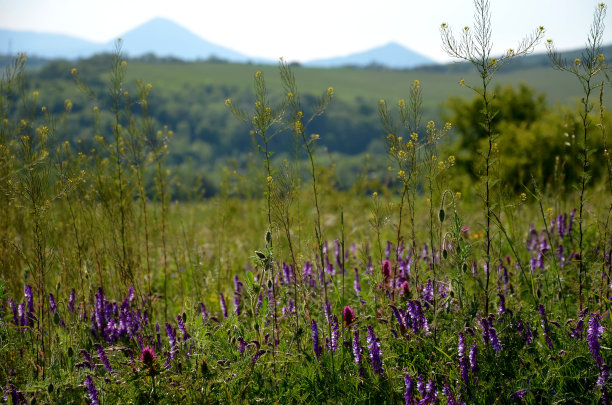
[(441, 215)]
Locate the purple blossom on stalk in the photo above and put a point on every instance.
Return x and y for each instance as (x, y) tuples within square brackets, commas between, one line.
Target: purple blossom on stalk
[(172, 339), (181, 326), (398, 316), (237, 303), (257, 355), (594, 332), (520, 394), (21, 315), (356, 284), (335, 334), (88, 362), (604, 376), (502, 304), (409, 391), (375, 352), (223, 306), (204, 312), (356, 347), (419, 321), (473, 356), (71, 301), (315, 339), (545, 327), (327, 312), (242, 344), (463, 360), (52, 303), (474, 268), (158, 336), (388, 250), (27, 291), (571, 222), (428, 293), (103, 358), (91, 390)]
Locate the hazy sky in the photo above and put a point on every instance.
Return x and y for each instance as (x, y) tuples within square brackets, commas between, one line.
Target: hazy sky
[(306, 30)]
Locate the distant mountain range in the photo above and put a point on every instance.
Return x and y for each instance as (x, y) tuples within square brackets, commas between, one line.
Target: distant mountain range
[(164, 38)]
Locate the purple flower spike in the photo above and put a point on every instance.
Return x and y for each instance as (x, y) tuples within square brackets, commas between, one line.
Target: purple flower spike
[(223, 306), (594, 332), (203, 311), (242, 344), (356, 348), (52, 303), (348, 315), (463, 360), (172, 339), (335, 334), (315, 339), (473, 355), (409, 391), (103, 358), (91, 389), (375, 352), (71, 301), (181, 326)]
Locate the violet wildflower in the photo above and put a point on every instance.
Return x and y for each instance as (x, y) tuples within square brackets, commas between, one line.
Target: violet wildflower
[(428, 293), (473, 356), (315, 339), (257, 355), (571, 222), (419, 321), (388, 250), (181, 326), (204, 312), (71, 301), (398, 316), (88, 362), (172, 339), (237, 303), (91, 389), (52, 303), (27, 291), (474, 268), (356, 284), (223, 306), (348, 315), (335, 334), (594, 332), (409, 391), (463, 360), (242, 344), (604, 376), (327, 312), (520, 394), (356, 347), (375, 352), (545, 327), (103, 358), (502, 304), (158, 336)]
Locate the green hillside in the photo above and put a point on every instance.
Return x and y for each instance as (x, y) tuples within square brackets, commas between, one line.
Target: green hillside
[(189, 98)]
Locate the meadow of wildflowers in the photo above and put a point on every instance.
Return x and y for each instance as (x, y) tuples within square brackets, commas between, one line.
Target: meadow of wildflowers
[(112, 293)]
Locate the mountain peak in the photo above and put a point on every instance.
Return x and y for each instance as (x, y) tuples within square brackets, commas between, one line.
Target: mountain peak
[(391, 54)]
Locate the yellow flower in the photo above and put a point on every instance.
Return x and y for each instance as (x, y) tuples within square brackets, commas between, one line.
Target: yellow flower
[(451, 160), (269, 178), (462, 82), (95, 109), (414, 136), (123, 64), (289, 95), (577, 61), (314, 136), (228, 102), (258, 74), (523, 197), (458, 195), (330, 91), (375, 194), (68, 105), (416, 83), (401, 103), (35, 93), (149, 86), (381, 102)]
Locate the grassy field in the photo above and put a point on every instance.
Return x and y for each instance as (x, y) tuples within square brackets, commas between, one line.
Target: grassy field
[(121, 283)]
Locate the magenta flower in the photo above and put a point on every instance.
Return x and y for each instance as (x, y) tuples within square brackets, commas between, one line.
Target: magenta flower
[(386, 270), (349, 316), (147, 356)]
